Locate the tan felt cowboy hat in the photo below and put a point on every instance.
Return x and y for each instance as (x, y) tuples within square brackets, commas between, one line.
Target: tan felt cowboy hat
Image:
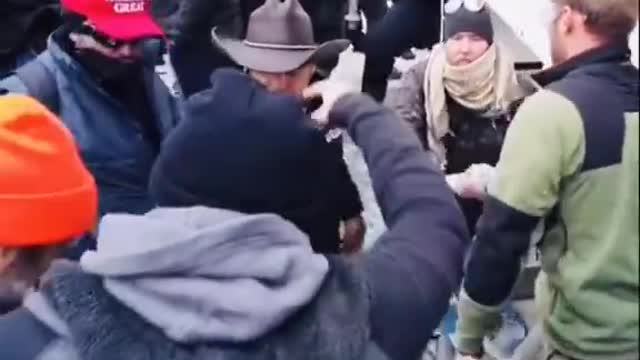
[(279, 40)]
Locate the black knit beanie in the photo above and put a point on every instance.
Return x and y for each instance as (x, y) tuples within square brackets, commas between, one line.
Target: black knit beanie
[(464, 20), (242, 148)]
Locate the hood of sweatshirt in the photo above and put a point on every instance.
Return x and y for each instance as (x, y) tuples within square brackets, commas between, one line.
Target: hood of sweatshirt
[(202, 274)]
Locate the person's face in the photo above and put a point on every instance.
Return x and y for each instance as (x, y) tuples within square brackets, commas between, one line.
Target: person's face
[(25, 265), (291, 83), (464, 48), (125, 52), (298, 80)]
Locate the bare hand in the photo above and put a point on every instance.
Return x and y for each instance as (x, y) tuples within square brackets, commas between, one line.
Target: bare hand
[(472, 184), (330, 91), (353, 237)]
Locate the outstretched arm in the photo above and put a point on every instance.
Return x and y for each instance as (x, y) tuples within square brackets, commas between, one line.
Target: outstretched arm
[(416, 266)]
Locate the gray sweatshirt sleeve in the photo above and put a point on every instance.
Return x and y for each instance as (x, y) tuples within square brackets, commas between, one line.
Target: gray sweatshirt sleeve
[(416, 266)]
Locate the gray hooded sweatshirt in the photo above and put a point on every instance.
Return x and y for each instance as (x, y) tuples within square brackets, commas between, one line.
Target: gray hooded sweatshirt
[(198, 276), (203, 274)]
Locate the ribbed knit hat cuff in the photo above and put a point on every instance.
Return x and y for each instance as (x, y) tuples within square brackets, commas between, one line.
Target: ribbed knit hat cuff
[(48, 219)]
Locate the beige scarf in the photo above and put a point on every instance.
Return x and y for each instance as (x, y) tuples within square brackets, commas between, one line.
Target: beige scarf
[(487, 85)]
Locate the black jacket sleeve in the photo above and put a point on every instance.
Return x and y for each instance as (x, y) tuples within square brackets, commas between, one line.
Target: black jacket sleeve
[(347, 197), (416, 266)]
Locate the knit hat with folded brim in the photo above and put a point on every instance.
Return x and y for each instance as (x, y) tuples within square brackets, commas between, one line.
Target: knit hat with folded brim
[(47, 196)]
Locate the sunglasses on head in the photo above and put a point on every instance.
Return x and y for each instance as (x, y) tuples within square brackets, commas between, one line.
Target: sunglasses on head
[(102, 39), (472, 5)]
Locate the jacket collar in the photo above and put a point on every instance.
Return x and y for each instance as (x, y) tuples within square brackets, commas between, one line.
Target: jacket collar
[(64, 59), (611, 53)]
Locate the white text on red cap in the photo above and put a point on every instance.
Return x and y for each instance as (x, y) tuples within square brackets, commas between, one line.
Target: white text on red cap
[(127, 6)]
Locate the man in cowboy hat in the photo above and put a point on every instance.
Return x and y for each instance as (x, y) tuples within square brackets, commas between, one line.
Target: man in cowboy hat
[(280, 54)]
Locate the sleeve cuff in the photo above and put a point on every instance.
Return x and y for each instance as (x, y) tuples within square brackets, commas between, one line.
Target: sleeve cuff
[(475, 321), (346, 108)]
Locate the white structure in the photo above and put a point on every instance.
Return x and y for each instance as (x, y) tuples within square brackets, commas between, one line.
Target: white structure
[(523, 25)]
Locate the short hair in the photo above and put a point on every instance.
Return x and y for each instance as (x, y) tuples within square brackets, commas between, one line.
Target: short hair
[(612, 19)]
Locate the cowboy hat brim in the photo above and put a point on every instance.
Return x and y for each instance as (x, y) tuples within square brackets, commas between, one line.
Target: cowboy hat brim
[(276, 60)]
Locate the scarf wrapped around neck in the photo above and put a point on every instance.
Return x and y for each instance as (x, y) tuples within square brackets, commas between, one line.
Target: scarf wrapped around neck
[(488, 85)]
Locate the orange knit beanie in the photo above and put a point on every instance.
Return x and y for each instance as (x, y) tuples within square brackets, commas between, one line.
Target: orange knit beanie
[(47, 196)]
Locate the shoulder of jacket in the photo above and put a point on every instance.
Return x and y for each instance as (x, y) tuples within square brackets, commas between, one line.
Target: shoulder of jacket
[(551, 110), (23, 336), (418, 71)]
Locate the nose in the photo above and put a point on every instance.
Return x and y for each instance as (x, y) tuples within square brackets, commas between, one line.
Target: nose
[(465, 46), (126, 51)]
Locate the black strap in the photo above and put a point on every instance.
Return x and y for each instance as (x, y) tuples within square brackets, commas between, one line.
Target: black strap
[(39, 81)]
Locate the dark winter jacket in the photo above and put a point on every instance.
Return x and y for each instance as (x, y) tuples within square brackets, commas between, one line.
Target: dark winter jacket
[(383, 305), (118, 126)]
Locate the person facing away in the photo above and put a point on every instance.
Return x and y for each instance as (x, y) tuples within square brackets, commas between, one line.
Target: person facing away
[(38, 216), (460, 100), (97, 77), (280, 55), (201, 278), (570, 160)]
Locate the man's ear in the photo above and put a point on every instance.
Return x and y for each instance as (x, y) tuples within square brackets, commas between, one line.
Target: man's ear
[(7, 257), (572, 20)]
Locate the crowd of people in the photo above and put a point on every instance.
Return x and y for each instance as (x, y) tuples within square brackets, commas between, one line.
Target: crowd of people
[(223, 222)]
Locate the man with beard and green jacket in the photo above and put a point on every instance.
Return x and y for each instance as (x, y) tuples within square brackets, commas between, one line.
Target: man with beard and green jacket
[(570, 159)]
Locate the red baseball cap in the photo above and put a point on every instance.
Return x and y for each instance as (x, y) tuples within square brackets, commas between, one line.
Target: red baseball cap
[(125, 20)]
